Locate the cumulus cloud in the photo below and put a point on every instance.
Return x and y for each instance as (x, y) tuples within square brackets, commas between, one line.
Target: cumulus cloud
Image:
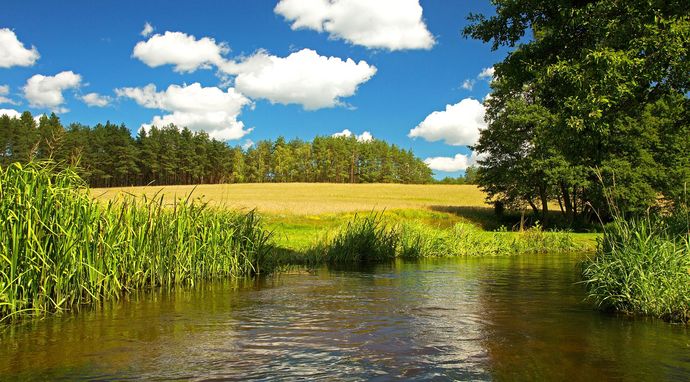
[(487, 73), (468, 84), (364, 137), (247, 144), (448, 164), (181, 50), (345, 133), (303, 77), (13, 52), (5, 90), (199, 108), (95, 99), (148, 29), (459, 162), (380, 24), (458, 125), (46, 91), (10, 113)]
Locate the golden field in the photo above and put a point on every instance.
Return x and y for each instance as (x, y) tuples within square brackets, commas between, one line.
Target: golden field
[(300, 214), (315, 198)]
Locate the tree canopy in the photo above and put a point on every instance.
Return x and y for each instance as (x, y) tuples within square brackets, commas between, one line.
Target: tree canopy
[(589, 106), (107, 155)]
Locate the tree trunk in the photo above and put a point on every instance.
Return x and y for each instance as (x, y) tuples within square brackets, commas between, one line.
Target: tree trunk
[(544, 205)]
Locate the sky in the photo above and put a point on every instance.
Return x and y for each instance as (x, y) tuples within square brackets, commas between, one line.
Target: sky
[(243, 71)]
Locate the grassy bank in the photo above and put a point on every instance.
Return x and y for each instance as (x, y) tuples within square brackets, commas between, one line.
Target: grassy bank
[(376, 237), (642, 267), (60, 249)]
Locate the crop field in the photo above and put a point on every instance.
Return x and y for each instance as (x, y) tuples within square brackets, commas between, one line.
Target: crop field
[(302, 214), (315, 198)]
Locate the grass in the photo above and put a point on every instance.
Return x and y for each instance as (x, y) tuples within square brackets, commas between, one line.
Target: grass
[(376, 237), (60, 249), (642, 267), (301, 214)]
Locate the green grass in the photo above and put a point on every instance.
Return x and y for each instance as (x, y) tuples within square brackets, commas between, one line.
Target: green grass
[(60, 249), (376, 237), (642, 267)]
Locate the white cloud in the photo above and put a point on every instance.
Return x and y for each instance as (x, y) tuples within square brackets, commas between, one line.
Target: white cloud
[(459, 162), (487, 73), (148, 29), (448, 164), (345, 133), (247, 144), (13, 52), (5, 90), (468, 84), (10, 113), (183, 51), (385, 24), (95, 99), (199, 108), (46, 91), (364, 137), (458, 125), (303, 77)]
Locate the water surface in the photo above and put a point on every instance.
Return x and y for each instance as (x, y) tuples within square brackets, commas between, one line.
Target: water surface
[(518, 318)]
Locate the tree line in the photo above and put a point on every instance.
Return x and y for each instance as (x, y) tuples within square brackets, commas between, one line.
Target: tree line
[(107, 155), (590, 111)]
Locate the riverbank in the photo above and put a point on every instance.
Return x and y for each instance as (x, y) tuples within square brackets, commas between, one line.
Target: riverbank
[(62, 248)]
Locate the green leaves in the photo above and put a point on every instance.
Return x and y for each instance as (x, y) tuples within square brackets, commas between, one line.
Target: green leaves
[(596, 68)]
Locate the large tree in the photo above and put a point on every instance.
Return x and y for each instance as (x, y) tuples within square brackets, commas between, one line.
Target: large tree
[(600, 71)]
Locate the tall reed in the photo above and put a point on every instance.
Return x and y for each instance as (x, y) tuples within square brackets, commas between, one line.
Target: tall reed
[(59, 249), (374, 239), (642, 266)]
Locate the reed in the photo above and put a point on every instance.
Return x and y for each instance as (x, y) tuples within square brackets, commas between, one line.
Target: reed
[(642, 266), (372, 238), (60, 249)]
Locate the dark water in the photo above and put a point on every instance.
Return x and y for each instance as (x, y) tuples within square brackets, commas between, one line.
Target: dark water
[(517, 318)]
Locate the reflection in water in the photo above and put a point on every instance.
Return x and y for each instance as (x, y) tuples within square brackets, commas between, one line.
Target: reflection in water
[(516, 318)]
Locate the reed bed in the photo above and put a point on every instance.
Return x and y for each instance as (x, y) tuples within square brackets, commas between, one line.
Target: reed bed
[(60, 249), (642, 267), (372, 238)]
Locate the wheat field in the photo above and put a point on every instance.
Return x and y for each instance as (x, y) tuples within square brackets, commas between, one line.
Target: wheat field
[(313, 198)]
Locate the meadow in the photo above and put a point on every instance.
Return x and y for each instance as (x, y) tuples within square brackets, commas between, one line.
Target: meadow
[(302, 215)]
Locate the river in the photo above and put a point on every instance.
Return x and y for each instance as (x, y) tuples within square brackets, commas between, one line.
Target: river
[(511, 318)]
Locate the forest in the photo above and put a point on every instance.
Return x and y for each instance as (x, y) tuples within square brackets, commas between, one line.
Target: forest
[(107, 155)]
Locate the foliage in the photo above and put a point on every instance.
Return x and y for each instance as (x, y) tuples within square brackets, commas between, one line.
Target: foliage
[(642, 266), (600, 87), (374, 238), (367, 239), (470, 177), (109, 156), (60, 249)]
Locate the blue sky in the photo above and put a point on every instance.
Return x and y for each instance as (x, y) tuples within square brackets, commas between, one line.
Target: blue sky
[(96, 42)]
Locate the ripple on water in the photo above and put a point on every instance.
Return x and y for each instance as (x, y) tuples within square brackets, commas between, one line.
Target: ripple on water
[(466, 319)]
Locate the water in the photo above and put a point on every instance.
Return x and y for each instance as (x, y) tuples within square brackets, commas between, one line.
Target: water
[(520, 318)]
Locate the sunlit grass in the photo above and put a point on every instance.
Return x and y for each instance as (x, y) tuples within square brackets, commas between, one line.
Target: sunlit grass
[(642, 266), (60, 249), (376, 237)]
